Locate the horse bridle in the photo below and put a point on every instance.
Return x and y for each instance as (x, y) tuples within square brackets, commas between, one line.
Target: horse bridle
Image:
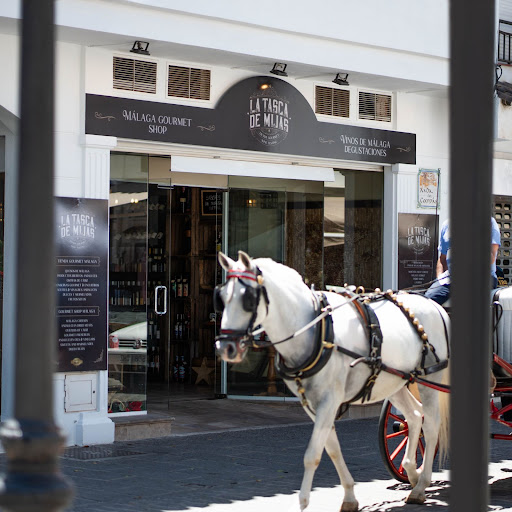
[(251, 296)]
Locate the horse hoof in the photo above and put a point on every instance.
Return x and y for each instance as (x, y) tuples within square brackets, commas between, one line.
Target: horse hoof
[(352, 506), (415, 500)]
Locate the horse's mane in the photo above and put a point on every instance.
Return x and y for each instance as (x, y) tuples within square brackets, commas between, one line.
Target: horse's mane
[(271, 266)]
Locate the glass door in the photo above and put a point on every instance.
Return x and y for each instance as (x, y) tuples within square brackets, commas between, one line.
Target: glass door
[(195, 238), (184, 235), (127, 355)]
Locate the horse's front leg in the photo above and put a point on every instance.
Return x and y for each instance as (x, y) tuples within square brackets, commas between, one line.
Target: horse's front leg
[(333, 449), (324, 421)]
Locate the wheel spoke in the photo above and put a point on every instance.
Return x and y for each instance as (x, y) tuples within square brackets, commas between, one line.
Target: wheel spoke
[(398, 434), (396, 417), (398, 448)]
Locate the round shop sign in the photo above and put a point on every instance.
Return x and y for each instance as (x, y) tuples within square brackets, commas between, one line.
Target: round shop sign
[(268, 116)]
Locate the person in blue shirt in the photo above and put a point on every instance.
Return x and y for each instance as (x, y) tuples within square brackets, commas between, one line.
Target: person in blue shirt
[(440, 289)]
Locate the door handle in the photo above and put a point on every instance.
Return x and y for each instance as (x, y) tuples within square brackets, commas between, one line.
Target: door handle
[(158, 290)]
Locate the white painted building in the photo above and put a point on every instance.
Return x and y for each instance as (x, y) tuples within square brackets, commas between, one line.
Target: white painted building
[(164, 135)]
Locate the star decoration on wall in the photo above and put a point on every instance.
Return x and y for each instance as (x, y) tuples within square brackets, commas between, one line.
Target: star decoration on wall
[(203, 372)]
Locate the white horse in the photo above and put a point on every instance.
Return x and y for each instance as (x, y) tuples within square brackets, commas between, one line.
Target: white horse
[(264, 293)]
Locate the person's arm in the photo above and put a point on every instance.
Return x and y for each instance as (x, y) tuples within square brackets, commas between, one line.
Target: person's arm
[(442, 265), (494, 252)]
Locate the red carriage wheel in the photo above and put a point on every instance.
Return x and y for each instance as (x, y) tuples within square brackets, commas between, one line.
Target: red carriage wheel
[(393, 437)]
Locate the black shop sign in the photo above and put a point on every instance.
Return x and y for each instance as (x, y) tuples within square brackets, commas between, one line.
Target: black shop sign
[(417, 249), (263, 114), (81, 263)]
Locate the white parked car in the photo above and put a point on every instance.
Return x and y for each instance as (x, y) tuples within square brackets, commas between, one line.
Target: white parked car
[(134, 336)]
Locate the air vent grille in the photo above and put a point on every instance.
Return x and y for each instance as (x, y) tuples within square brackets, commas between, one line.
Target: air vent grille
[(374, 107), (188, 83), (332, 102), (134, 75)]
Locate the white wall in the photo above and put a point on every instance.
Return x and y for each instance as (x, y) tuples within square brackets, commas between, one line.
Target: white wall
[(9, 64), (69, 106), (415, 27), (428, 118), (399, 39)]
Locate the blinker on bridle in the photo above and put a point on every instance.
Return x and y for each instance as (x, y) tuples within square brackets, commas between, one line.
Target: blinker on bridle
[(250, 300)]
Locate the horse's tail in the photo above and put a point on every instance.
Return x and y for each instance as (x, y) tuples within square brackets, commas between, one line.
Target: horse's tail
[(444, 412)]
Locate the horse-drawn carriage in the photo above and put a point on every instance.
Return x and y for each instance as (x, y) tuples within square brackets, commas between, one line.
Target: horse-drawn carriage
[(393, 428), (334, 349)]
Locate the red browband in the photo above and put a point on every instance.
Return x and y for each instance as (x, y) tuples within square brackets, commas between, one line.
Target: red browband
[(242, 274)]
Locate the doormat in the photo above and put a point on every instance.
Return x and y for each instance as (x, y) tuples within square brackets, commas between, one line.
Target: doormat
[(97, 452)]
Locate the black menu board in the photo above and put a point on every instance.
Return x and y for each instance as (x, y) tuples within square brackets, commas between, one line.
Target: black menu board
[(81, 265), (417, 249)]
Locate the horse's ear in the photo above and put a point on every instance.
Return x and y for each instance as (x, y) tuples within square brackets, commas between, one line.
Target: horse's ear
[(225, 261), (245, 259)]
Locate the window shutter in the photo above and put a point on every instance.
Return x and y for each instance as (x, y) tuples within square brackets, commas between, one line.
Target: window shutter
[(332, 102), (186, 82), (134, 75), (374, 107)]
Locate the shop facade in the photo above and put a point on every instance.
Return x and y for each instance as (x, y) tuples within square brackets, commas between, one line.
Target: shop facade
[(170, 215), (197, 147), (254, 169)]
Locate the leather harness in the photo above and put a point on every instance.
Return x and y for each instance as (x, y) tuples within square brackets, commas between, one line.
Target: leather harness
[(324, 345)]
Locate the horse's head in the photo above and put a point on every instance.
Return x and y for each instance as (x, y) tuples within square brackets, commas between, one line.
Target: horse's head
[(242, 300)]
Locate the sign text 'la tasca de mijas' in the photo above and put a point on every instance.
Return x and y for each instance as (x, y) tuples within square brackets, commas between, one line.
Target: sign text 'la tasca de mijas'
[(81, 263), (263, 114)]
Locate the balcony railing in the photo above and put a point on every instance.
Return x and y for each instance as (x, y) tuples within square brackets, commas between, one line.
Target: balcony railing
[(504, 40)]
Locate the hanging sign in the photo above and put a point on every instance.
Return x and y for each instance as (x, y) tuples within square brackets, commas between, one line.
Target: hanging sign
[(417, 244), (263, 114), (211, 203), (428, 188), (81, 262)]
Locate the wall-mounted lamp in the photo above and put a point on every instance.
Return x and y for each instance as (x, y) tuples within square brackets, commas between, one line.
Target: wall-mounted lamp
[(251, 203), (279, 69), (140, 47), (341, 79)]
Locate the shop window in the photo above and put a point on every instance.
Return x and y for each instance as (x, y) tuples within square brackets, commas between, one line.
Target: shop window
[(332, 102), (374, 107), (278, 219), (190, 83), (134, 75), (353, 229)]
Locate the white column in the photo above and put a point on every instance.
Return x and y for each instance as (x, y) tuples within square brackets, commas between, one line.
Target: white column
[(96, 175)]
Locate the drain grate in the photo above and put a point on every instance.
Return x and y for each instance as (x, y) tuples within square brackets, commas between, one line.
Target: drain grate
[(97, 452)]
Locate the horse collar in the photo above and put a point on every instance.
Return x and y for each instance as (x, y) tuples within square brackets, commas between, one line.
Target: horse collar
[(324, 337)]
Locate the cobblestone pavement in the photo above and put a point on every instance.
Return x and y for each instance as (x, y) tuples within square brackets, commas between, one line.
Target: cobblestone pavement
[(251, 470)]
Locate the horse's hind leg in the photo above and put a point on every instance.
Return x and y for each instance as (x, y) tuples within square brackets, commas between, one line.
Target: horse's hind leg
[(412, 411), (431, 422), (324, 420), (332, 446)]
